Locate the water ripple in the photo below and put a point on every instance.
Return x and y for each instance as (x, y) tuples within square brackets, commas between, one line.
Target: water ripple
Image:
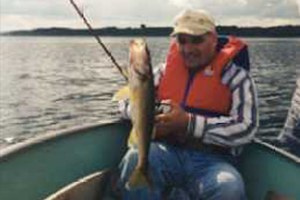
[(62, 82)]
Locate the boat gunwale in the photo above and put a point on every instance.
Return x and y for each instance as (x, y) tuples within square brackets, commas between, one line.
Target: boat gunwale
[(51, 136), (54, 135), (283, 153)]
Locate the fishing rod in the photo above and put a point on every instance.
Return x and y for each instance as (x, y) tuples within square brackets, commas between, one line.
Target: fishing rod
[(91, 30)]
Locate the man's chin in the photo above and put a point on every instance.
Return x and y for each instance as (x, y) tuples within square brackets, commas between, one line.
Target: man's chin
[(193, 65)]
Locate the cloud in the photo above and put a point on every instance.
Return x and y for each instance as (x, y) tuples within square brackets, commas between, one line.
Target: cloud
[(21, 14), (181, 3), (298, 5), (258, 8), (26, 22)]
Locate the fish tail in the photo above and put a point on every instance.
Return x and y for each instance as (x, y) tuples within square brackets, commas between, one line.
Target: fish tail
[(139, 178)]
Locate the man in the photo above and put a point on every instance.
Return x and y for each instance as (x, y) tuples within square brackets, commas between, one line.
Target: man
[(290, 135), (213, 112)]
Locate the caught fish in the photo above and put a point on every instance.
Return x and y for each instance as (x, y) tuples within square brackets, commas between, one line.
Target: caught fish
[(141, 93)]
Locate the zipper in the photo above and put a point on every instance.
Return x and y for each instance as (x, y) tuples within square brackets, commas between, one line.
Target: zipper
[(187, 88)]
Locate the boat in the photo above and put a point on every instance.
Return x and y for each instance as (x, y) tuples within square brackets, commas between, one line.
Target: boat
[(75, 163)]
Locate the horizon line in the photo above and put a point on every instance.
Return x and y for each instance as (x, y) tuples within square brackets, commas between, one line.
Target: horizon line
[(140, 27)]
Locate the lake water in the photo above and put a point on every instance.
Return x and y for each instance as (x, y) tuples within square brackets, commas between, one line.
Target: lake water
[(52, 83)]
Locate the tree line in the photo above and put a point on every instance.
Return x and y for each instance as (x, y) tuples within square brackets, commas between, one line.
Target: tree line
[(143, 30)]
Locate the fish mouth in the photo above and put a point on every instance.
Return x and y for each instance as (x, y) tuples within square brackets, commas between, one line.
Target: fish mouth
[(140, 58)]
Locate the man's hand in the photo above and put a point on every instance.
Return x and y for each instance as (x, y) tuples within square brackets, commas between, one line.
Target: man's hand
[(172, 125)]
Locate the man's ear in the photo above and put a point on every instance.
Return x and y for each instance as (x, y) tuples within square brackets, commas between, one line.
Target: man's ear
[(214, 36)]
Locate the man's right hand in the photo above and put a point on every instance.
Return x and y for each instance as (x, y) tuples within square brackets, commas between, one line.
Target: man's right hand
[(171, 125)]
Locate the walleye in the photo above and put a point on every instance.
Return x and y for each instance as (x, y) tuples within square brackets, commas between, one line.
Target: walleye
[(142, 104)]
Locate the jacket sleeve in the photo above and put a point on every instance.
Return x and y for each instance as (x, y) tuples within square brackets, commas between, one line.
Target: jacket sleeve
[(241, 125), (124, 105)]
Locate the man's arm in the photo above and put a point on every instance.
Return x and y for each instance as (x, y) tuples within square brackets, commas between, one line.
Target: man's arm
[(241, 125)]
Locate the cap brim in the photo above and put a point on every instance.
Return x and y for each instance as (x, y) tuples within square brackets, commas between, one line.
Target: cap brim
[(178, 31)]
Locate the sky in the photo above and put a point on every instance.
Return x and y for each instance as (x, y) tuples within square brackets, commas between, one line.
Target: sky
[(30, 14)]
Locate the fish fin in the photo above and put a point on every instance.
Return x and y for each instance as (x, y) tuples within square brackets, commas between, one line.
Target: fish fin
[(125, 72), (139, 178), (121, 94)]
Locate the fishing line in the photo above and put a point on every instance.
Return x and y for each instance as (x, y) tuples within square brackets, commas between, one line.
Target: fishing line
[(91, 30)]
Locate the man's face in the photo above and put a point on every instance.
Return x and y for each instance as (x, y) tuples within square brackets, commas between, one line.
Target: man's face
[(197, 51)]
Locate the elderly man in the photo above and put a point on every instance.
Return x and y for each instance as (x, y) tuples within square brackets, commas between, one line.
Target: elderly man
[(213, 113)]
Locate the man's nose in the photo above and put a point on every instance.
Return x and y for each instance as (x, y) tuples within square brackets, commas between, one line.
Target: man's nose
[(188, 47)]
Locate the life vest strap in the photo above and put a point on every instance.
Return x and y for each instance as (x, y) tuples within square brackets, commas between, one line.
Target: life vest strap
[(203, 112)]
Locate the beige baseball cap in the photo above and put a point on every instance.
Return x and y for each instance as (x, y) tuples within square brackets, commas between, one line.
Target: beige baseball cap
[(193, 22)]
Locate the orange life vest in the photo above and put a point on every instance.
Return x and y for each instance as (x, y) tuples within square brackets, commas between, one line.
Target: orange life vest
[(201, 92)]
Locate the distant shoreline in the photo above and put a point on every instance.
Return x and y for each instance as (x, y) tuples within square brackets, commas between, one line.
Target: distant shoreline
[(276, 32)]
